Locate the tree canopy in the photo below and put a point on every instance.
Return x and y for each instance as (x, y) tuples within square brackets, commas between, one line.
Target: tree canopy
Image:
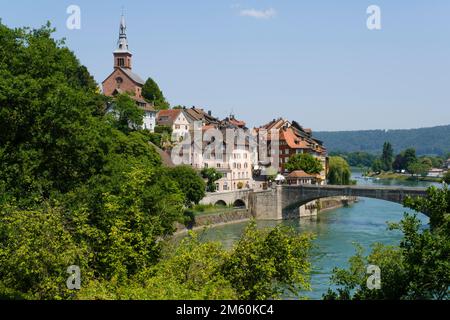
[(305, 162), (418, 268), (339, 171), (153, 94)]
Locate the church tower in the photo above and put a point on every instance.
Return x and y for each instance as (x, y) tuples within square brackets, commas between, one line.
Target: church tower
[(122, 56)]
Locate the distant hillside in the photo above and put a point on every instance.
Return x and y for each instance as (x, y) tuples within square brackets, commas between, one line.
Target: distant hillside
[(427, 141)]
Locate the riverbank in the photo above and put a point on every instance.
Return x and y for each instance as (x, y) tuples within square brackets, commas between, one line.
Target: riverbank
[(403, 177)]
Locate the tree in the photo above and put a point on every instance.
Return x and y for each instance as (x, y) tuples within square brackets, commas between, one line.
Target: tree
[(212, 176), (387, 157), (405, 159), (377, 165), (447, 177), (418, 268), (339, 171), (305, 162), (417, 168), (152, 93), (190, 183), (264, 264), (126, 116)]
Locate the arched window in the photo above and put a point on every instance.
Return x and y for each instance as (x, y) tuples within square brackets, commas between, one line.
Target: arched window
[(119, 81)]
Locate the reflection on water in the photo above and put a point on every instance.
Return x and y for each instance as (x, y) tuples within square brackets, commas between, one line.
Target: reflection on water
[(336, 233)]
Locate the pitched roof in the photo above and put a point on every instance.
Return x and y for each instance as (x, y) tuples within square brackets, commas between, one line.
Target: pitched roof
[(197, 114), (167, 117), (292, 140), (299, 174), (133, 76)]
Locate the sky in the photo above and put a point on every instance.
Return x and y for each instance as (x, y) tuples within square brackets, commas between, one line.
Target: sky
[(315, 62)]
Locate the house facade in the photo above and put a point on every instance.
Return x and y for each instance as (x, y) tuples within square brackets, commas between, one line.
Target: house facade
[(233, 161), (176, 120), (124, 80), (293, 139)]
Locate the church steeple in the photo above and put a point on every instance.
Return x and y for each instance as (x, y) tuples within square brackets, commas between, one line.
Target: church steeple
[(122, 55)]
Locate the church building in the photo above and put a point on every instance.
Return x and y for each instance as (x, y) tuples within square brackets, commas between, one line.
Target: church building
[(124, 80)]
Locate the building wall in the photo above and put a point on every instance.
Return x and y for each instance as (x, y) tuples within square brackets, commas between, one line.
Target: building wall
[(110, 84), (180, 127), (149, 121)]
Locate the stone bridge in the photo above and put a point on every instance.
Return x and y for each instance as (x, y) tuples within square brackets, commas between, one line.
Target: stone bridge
[(283, 202), (237, 199)]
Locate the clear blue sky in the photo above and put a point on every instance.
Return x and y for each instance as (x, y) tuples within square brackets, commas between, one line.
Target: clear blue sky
[(310, 61)]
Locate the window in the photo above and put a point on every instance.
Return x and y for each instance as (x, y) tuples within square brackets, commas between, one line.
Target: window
[(121, 62), (119, 81), (177, 126)]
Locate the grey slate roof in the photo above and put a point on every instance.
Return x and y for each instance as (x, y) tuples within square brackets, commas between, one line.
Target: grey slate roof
[(133, 76)]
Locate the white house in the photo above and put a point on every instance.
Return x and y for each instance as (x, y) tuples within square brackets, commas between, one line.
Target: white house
[(176, 120)]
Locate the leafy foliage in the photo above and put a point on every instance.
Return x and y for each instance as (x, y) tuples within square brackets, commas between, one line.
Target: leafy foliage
[(190, 183), (339, 171), (212, 175), (305, 162), (265, 263), (152, 93), (262, 265), (126, 116), (418, 268), (387, 156)]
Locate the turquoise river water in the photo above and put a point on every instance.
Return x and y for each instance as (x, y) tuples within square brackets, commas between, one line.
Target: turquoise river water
[(336, 232)]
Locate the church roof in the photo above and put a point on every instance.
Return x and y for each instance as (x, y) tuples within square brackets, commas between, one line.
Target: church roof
[(133, 76)]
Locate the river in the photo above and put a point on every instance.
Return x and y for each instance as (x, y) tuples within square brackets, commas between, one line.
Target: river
[(336, 232)]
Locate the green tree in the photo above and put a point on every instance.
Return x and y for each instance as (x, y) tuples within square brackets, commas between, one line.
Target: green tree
[(377, 165), (305, 162), (212, 175), (190, 183), (339, 172), (405, 159), (264, 264), (125, 114), (36, 250), (447, 177), (418, 168), (152, 93), (387, 157)]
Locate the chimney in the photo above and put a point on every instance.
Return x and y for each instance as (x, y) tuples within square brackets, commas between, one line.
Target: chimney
[(209, 113)]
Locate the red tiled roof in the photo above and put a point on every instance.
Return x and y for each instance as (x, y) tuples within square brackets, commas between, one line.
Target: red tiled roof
[(167, 117), (300, 174)]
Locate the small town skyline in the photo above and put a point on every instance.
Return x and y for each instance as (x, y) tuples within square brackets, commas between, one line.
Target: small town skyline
[(258, 62)]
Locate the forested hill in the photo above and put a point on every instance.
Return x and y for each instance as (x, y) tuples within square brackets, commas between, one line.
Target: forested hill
[(435, 140)]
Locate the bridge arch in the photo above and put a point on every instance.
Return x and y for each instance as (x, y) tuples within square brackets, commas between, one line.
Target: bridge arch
[(220, 203), (295, 196), (239, 203)]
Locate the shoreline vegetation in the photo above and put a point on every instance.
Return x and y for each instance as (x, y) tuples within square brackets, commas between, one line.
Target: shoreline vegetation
[(402, 176)]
